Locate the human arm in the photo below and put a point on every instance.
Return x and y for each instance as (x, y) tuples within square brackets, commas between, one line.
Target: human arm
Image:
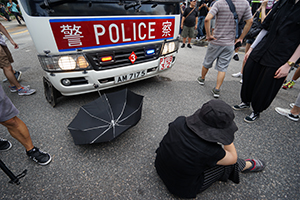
[(4, 31), (245, 30), (207, 20), (196, 23), (263, 10), (283, 71), (182, 21), (230, 157), (9, 5), (259, 37)]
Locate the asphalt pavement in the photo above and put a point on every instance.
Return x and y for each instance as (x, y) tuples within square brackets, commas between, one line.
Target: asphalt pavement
[(123, 168)]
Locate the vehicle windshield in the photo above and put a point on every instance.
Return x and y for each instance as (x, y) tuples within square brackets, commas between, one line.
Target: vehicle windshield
[(60, 8)]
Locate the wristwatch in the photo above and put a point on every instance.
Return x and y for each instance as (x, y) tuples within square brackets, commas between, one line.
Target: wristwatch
[(291, 64)]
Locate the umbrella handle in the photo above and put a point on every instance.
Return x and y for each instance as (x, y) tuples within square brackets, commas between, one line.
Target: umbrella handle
[(97, 87)]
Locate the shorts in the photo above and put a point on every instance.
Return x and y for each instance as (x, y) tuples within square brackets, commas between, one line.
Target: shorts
[(188, 32), (7, 108), (5, 57), (223, 55)]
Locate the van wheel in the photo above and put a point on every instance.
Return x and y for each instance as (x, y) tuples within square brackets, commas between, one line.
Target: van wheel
[(51, 93)]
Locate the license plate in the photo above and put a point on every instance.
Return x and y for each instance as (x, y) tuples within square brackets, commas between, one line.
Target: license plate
[(165, 63), (130, 76)]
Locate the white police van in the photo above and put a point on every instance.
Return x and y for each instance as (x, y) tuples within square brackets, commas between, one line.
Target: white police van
[(86, 45)]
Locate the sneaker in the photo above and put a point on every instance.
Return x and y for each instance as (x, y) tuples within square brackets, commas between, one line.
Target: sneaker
[(236, 57), (200, 80), (5, 145), (25, 91), (14, 88), (183, 45), (292, 105), (252, 117), (289, 84), (287, 113), (202, 38), (189, 46), (215, 92), (257, 165), (38, 156), (237, 75), (241, 81), (18, 75), (241, 106)]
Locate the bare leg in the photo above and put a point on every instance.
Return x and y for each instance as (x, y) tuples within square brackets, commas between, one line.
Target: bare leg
[(248, 165), (220, 79), (297, 74), (18, 129), (189, 40), (204, 72), (246, 50), (183, 40), (9, 73), (295, 110)]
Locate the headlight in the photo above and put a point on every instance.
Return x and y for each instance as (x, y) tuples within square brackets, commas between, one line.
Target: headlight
[(66, 63), (170, 47), (81, 62), (166, 49), (61, 63)]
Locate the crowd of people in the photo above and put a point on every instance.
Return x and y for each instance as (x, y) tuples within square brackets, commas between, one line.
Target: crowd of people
[(198, 150), (11, 8), (8, 112)]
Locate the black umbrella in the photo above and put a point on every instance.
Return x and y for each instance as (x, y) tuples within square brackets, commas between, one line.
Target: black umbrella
[(107, 117)]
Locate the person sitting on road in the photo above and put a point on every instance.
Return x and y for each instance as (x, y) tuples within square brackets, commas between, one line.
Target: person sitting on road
[(18, 129), (198, 150), (5, 63)]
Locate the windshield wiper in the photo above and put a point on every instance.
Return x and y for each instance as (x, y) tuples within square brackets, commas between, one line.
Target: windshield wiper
[(48, 4)]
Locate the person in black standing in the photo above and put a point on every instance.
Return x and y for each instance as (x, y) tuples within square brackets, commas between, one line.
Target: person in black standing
[(270, 57), (189, 23), (203, 10)]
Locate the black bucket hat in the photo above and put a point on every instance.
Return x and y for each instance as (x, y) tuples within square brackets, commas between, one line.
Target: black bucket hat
[(214, 122)]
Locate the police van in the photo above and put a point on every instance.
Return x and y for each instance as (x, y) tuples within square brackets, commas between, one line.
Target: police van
[(89, 45)]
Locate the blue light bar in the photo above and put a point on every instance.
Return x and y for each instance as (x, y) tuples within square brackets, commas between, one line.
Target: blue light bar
[(150, 51)]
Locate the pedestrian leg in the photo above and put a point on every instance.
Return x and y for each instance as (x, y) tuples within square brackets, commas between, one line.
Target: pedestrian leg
[(221, 172), (18, 129), (266, 89)]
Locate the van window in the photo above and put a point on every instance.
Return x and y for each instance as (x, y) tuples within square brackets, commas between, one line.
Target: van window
[(61, 8)]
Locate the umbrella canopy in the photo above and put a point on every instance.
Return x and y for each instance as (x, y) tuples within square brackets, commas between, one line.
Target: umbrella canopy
[(107, 117)]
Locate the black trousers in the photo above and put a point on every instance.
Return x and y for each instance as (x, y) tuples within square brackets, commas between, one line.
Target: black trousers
[(259, 85), (16, 14), (223, 173)]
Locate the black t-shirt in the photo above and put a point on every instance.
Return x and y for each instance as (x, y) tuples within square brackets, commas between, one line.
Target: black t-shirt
[(182, 157), (190, 21), (203, 11), (283, 37)]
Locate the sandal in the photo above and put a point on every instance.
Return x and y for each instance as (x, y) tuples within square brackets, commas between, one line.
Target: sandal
[(257, 165)]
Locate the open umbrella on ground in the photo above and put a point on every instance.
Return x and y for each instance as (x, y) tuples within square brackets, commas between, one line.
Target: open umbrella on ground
[(107, 117)]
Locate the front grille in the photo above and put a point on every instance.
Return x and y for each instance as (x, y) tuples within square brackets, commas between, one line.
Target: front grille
[(121, 56)]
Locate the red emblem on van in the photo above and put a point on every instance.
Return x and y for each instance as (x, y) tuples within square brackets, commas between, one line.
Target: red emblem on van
[(132, 57)]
